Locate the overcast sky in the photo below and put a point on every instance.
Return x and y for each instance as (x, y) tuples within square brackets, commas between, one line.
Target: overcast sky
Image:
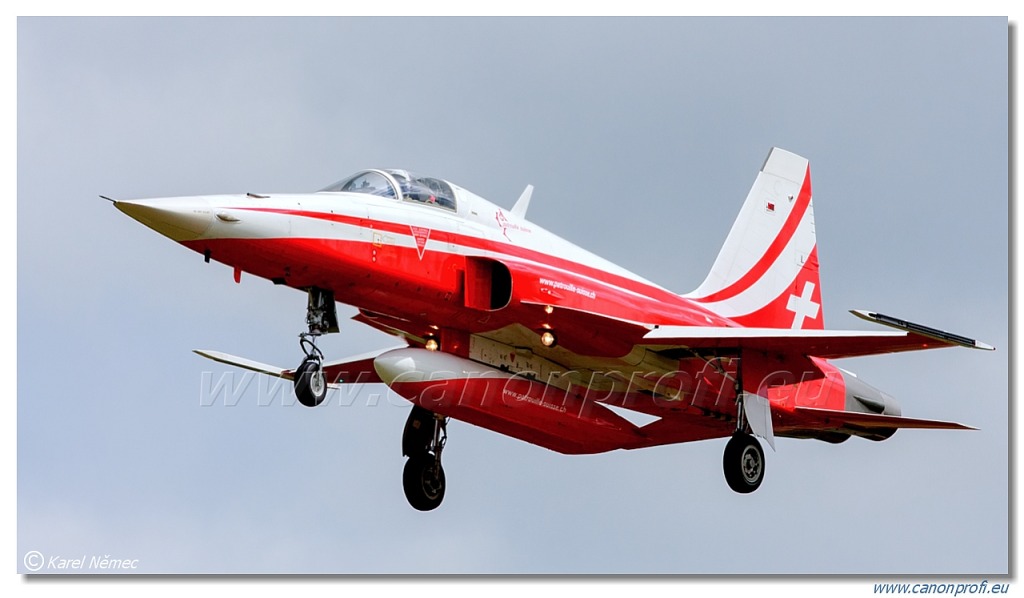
[(642, 137)]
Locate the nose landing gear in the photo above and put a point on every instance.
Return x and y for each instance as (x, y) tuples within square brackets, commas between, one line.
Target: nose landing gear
[(321, 317)]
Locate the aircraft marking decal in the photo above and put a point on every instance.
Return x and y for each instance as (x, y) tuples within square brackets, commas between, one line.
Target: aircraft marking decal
[(505, 225), (803, 306), (502, 223), (421, 235)]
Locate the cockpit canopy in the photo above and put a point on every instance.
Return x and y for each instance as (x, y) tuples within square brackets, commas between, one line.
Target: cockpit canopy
[(398, 184)]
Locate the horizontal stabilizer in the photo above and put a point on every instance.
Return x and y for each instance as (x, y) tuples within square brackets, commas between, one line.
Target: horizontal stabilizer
[(827, 418)]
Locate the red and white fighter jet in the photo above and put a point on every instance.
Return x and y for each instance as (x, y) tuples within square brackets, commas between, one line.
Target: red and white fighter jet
[(512, 328)]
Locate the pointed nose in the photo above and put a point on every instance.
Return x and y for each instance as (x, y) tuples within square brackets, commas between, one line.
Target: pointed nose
[(180, 218)]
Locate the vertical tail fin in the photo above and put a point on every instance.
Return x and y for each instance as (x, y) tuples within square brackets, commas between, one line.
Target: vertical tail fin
[(766, 274)]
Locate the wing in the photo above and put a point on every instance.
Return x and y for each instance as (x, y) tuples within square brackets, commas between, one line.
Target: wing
[(351, 370), (708, 360), (826, 344)]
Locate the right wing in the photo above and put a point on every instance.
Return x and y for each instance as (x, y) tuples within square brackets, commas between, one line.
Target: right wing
[(827, 344), (355, 369)]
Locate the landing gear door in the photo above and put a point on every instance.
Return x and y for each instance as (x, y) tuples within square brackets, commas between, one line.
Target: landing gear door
[(758, 412)]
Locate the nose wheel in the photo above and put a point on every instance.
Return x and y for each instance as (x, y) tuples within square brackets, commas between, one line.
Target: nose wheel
[(310, 382), (423, 440)]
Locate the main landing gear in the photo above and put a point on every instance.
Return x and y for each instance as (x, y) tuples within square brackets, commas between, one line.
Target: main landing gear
[(743, 461), (422, 441), (310, 382)]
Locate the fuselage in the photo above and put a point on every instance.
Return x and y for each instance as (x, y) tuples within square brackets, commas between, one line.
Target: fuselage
[(409, 260)]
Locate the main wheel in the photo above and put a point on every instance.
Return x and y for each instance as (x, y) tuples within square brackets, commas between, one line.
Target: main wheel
[(423, 480), (743, 463), (310, 384)]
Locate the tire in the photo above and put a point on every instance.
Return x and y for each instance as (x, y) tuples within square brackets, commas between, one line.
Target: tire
[(743, 463), (310, 384), (423, 481)]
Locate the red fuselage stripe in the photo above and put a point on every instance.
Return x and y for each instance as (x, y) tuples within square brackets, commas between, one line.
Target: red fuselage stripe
[(634, 286)]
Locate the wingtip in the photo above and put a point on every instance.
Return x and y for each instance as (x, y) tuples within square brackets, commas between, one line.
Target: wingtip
[(919, 329)]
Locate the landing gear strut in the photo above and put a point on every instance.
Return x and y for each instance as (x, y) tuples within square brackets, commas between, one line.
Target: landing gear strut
[(743, 461), (422, 441), (310, 382)]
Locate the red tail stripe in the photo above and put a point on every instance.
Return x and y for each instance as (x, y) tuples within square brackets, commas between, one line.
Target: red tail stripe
[(774, 250)]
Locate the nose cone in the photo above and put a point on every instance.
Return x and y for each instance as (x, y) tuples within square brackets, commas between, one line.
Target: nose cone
[(180, 218)]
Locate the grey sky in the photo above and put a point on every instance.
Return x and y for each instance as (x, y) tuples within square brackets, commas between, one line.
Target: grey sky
[(642, 137)]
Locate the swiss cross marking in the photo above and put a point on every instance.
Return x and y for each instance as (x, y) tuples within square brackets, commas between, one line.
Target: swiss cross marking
[(803, 306)]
